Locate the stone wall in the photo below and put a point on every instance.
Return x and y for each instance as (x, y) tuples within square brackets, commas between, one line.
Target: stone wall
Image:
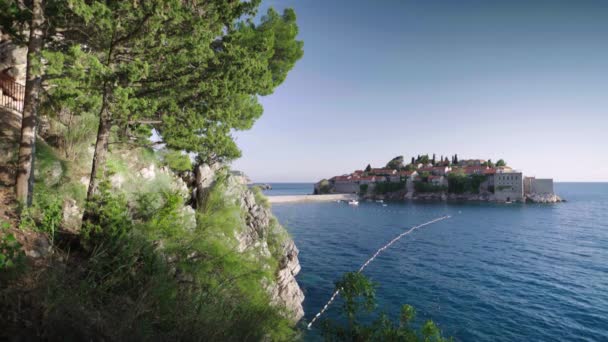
[(346, 188), (541, 186)]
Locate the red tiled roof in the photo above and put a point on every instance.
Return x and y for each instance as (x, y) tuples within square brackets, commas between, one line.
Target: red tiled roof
[(474, 169)]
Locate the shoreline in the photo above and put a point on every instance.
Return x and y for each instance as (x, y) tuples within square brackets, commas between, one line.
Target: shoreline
[(311, 198)]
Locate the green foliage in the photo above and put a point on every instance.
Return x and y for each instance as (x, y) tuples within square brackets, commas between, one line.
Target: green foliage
[(460, 183), (395, 163), (475, 182), (424, 187), (149, 278), (177, 161), (107, 217), (323, 188), (11, 254), (424, 159), (45, 214), (500, 163), (368, 168), (359, 302), (277, 236), (363, 188), (457, 183), (388, 187), (260, 198)]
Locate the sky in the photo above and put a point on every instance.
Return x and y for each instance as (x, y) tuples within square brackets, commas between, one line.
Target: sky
[(525, 81)]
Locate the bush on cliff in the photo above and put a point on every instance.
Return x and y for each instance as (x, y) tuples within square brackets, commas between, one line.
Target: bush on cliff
[(423, 187), (141, 275)]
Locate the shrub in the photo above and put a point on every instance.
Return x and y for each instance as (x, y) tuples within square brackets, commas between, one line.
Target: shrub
[(363, 188), (324, 187), (359, 299), (11, 254), (424, 187), (387, 187), (260, 198), (155, 280), (177, 161), (45, 214)]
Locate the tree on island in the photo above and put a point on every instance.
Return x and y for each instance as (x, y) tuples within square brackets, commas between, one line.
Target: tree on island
[(368, 168), (500, 163), (413, 161), (433, 161), (395, 163), (455, 159)]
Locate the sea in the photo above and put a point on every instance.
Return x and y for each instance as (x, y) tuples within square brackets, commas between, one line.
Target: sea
[(491, 272)]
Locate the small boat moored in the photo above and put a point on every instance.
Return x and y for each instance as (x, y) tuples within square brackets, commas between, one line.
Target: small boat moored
[(353, 202)]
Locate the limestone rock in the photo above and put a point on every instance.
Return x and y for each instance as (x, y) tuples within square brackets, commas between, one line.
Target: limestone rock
[(13, 61), (543, 198), (117, 180), (148, 172), (51, 175), (72, 214), (285, 290)]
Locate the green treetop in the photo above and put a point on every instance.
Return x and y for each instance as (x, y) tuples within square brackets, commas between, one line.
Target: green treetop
[(192, 70), (395, 163)]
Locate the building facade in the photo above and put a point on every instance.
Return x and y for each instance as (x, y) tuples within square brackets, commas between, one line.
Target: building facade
[(509, 186)]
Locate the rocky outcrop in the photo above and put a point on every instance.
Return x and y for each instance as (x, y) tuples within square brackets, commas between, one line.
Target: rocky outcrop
[(261, 230), (543, 198), (13, 61)]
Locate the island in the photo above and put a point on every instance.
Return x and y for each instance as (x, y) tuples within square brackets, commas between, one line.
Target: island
[(428, 178)]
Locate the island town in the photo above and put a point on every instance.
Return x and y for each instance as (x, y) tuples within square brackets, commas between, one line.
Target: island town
[(446, 178)]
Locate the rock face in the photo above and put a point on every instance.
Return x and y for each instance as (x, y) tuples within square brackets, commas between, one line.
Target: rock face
[(13, 60), (543, 198), (260, 225)]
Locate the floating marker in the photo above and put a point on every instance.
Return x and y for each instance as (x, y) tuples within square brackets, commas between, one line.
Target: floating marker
[(366, 263)]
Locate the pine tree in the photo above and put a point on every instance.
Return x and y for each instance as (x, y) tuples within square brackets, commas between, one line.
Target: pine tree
[(15, 19), (192, 70)]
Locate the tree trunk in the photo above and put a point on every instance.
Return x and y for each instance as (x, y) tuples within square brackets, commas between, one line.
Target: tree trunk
[(23, 186), (101, 148)]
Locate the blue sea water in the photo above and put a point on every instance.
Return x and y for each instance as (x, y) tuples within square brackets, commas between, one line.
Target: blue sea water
[(279, 189), (493, 272)]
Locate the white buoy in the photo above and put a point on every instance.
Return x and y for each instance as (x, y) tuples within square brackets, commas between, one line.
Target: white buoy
[(366, 263)]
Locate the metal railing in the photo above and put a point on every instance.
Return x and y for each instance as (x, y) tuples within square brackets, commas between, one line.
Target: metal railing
[(11, 94)]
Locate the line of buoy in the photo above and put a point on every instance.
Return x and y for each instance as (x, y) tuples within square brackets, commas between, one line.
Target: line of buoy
[(380, 250)]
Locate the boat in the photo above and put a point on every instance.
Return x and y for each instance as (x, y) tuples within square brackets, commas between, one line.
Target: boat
[(379, 201), (353, 202)]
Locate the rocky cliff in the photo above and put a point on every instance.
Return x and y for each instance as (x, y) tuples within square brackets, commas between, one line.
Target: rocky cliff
[(262, 235)]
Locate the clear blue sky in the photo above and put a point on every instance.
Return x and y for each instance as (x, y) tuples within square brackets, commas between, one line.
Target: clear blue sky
[(525, 80)]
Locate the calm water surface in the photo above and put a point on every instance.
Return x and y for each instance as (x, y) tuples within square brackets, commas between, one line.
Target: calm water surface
[(490, 273), (279, 189)]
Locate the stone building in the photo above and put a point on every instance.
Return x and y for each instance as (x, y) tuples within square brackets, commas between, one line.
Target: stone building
[(509, 186)]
